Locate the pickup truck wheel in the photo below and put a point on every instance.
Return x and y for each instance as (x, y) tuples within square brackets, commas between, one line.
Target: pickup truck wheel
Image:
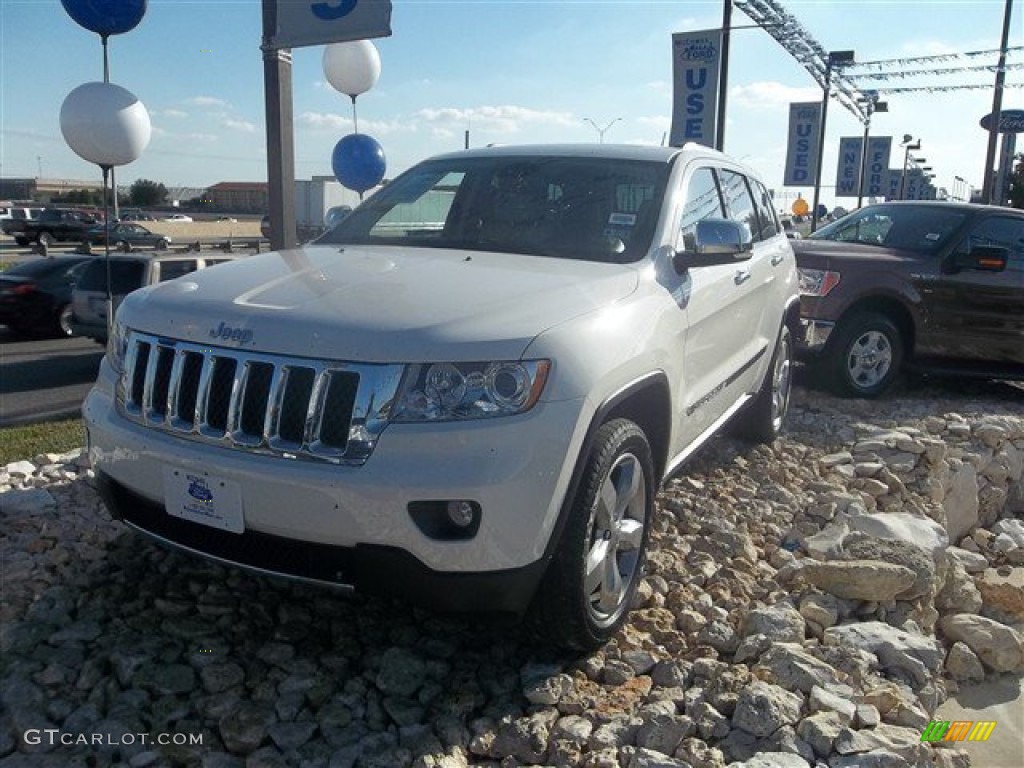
[(865, 355), (762, 420), (45, 239), (590, 584)]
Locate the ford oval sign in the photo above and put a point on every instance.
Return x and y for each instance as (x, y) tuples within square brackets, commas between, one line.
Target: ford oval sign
[(1010, 121)]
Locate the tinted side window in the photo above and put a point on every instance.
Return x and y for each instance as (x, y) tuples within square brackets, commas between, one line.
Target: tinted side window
[(765, 210), (168, 270), (125, 276), (739, 202), (702, 202), (1004, 231)]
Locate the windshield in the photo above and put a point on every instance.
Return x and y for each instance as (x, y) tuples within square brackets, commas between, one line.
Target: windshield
[(923, 229), (597, 209)]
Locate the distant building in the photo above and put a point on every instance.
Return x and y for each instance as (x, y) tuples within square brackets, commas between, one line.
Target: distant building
[(238, 196), (43, 190)]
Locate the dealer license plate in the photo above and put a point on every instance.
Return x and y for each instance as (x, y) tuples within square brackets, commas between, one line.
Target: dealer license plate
[(203, 498)]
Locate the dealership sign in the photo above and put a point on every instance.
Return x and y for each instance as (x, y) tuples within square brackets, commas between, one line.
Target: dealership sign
[(875, 169), (696, 61), (802, 147), (1010, 121), (300, 23)]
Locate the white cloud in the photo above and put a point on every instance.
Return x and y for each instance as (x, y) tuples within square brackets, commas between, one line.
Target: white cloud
[(334, 123), (243, 126), (206, 101), (505, 118), (770, 95), (176, 114)]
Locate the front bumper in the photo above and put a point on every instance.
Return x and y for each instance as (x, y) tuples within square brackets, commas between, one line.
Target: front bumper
[(815, 334), (351, 526)]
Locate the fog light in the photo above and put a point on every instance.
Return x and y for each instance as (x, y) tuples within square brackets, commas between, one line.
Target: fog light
[(461, 513), (447, 519)]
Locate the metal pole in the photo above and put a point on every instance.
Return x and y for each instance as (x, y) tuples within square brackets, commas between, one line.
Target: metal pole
[(997, 107), (821, 143), (903, 178), (723, 79), (106, 250), (864, 156), (277, 87)]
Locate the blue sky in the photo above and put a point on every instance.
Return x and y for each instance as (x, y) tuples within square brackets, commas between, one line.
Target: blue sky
[(509, 71)]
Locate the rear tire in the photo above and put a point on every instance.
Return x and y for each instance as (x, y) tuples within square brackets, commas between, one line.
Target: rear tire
[(591, 583), (763, 419), (45, 239), (123, 246), (63, 320), (864, 355)]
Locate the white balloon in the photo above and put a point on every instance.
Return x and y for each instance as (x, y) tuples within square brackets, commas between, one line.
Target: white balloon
[(105, 124), (353, 67)]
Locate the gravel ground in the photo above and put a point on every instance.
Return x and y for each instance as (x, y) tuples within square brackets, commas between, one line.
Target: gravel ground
[(807, 604)]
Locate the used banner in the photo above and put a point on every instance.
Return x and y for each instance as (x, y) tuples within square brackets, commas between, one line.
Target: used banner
[(696, 62), (319, 22), (802, 147)]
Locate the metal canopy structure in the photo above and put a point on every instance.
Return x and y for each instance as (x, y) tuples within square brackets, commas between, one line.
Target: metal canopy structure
[(801, 45)]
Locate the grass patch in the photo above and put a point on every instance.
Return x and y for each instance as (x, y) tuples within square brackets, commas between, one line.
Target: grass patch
[(17, 443)]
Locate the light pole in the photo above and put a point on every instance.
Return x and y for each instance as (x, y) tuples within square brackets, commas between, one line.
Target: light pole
[(909, 144), (835, 59), (601, 131), (872, 105)]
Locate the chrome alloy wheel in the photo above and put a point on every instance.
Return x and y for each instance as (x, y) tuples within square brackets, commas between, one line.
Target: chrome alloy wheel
[(782, 381), (869, 359), (613, 558)]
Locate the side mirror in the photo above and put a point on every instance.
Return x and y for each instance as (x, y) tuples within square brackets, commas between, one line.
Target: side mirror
[(982, 258), (715, 242)]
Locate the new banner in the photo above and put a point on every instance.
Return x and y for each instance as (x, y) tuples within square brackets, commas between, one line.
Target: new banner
[(849, 167), (318, 22), (802, 147), (696, 61)]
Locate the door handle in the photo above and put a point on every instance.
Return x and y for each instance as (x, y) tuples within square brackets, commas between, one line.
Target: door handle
[(741, 276), (778, 258)]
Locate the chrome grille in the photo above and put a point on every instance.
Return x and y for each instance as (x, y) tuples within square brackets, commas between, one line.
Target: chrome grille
[(286, 406)]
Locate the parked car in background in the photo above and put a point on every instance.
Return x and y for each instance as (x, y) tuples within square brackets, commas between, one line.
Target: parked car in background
[(468, 392), (128, 272), (35, 296), (180, 218), (14, 218), (937, 286), (127, 236), (58, 225), (133, 216)]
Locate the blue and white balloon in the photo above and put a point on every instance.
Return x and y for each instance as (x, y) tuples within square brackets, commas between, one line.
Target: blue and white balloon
[(106, 17), (358, 162)]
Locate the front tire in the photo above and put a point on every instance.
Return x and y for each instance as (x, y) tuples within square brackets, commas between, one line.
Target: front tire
[(588, 589), (762, 420), (865, 355), (45, 239)]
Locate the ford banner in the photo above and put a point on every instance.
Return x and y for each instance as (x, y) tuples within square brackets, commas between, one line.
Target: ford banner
[(802, 147), (300, 23), (849, 167), (696, 60)]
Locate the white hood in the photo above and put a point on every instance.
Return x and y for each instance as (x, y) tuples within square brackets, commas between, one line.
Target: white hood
[(377, 303)]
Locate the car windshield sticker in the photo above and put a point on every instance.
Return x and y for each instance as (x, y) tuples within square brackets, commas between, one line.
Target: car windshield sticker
[(622, 219)]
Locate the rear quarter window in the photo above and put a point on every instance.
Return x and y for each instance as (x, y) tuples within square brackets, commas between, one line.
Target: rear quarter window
[(169, 270), (125, 276)]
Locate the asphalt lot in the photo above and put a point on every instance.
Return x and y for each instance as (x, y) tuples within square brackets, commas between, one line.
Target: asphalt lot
[(44, 379)]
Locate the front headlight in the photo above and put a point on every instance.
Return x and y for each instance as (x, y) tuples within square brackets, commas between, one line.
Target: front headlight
[(456, 391), (117, 345), (817, 282)]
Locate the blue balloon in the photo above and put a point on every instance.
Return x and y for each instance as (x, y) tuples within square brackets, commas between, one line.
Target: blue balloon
[(358, 162), (106, 17)]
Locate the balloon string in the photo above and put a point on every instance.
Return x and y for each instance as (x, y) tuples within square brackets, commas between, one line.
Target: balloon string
[(355, 118), (106, 62)]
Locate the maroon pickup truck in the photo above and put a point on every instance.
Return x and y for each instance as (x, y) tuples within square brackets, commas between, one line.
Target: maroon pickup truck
[(936, 286)]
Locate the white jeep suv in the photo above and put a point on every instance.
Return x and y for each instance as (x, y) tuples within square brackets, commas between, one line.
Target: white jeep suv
[(469, 391)]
